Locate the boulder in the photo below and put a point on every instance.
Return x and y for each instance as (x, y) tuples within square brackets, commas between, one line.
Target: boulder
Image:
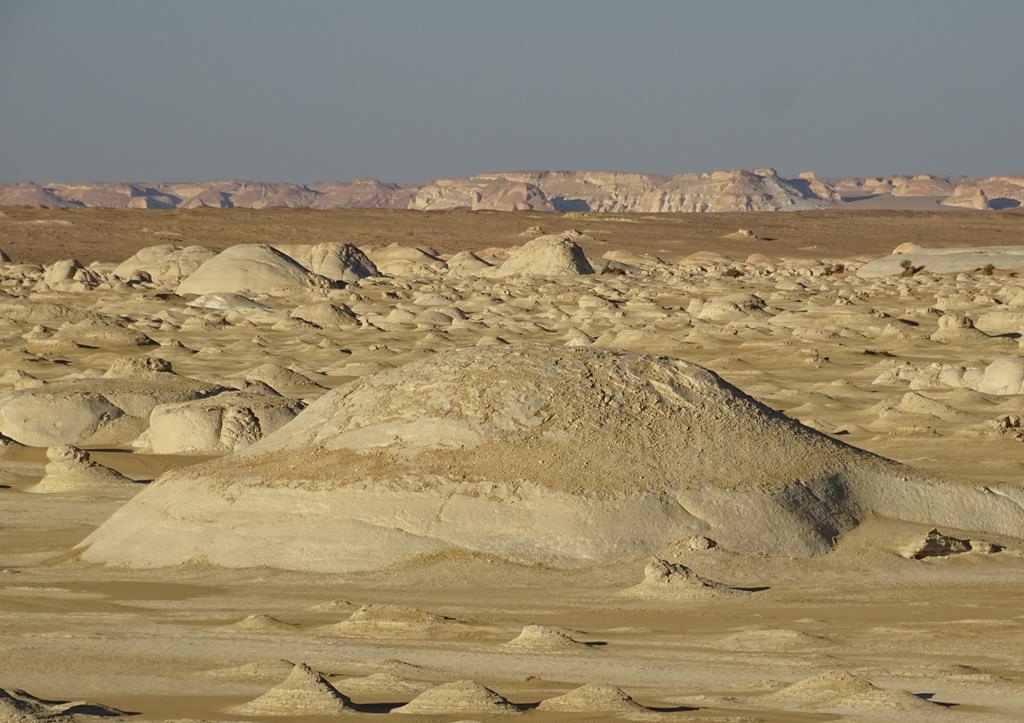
[(335, 261), (256, 268), (91, 411), (1004, 375), (164, 264), (552, 255), (219, 424)]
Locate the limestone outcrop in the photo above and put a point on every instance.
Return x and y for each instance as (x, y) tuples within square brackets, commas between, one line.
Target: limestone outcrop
[(572, 456)]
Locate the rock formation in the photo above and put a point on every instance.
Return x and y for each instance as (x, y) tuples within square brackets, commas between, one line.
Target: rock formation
[(597, 699), (92, 411), (71, 469), (944, 260), (538, 453), (458, 698), (165, 264), (672, 579), (255, 268), (305, 692), (218, 424), (545, 638), (759, 189), (554, 255)]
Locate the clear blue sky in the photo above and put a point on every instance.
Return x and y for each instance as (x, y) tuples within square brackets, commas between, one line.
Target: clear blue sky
[(136, 90)]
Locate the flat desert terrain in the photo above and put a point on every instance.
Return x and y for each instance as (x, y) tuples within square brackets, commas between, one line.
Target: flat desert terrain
[(444, 466)]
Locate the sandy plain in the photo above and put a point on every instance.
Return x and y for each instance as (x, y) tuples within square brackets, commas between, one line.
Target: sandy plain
[(859, 633)]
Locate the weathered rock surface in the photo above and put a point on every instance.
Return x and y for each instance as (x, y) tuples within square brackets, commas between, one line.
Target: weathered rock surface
[(945, 261), (570, 456), (18, 706), (214, 425), (840, 691), (91, 411), (165, 264), (334, 261), (305, 692), (256, 268), (673, 579), (72, 470), (554, 255), (597, 699), (458, 698), (936, 544)]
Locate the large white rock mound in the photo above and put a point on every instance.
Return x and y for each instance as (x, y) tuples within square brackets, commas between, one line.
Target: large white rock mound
[(551, 255), (257, 268), (944, 261), (164, 263), (223, 423), (538, 453), (335, 261)]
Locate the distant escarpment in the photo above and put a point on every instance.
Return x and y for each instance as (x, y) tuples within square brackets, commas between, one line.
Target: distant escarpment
[(760, 189)]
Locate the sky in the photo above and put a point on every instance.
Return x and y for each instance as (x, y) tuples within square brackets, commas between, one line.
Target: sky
[(305, 91)]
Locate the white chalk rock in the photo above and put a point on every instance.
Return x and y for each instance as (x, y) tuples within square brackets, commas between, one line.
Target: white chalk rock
[(225, 422), (552, 255), (256, 268), (538, 453)]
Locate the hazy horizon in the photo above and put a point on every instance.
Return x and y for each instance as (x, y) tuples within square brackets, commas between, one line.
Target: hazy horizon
[(113, 90), (175, 181)]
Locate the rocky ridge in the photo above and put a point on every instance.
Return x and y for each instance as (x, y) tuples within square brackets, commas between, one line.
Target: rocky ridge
[(760, 189)]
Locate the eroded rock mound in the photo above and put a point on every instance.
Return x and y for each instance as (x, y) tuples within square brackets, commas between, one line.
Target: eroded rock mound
[(93, 411), (260, 622), (553, 255), (257, 268), (144, 367), (281, 379), (936, 544), (71, 469), (225, 422), (386, 620), (334, 261), (229, 301), (17, 706), (545, 638), (838, 690), (163, 264), (593, 698), (664, 578), (459, 697), (105, 334), (537, 453), (325, 314), (305, 692)]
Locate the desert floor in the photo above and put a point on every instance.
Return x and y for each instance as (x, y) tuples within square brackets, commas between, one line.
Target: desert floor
[(933, 639), (91, 234)]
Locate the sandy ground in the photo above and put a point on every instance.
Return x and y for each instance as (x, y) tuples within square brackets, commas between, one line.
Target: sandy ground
[(38, 235), (940, 638)]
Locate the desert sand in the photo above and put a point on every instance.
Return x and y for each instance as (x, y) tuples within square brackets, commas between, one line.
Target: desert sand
[(294, 464)]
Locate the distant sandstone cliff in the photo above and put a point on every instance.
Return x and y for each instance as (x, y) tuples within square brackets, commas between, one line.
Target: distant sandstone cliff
[(760, 189)]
